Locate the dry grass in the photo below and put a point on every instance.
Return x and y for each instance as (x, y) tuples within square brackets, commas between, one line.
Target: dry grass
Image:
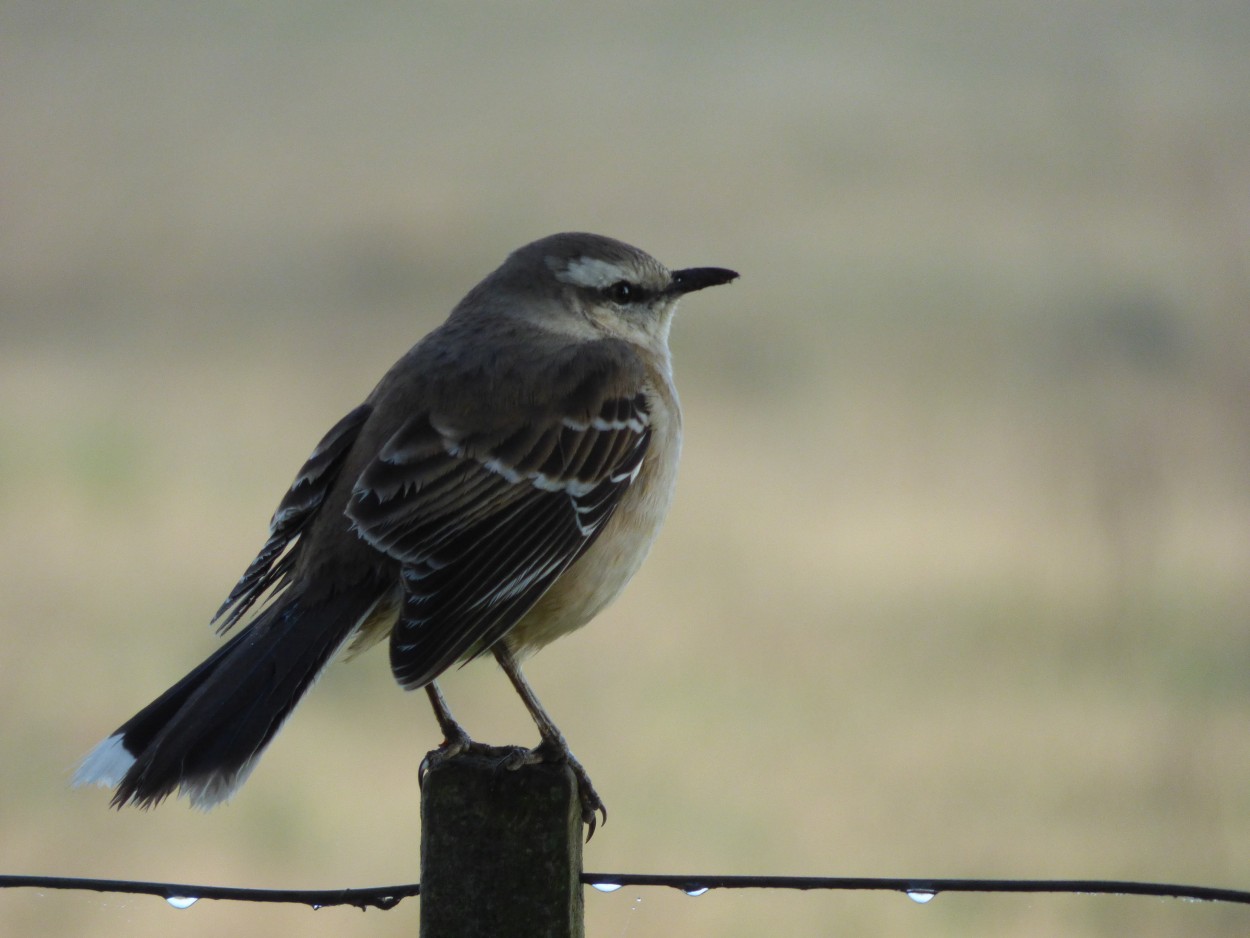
[(956, 581)]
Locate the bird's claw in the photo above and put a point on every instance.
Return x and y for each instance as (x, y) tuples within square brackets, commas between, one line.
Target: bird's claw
[(511, 758), (557, 752), (458, 744)]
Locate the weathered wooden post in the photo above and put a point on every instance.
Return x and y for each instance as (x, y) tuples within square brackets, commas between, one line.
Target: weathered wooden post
[(501, 851)]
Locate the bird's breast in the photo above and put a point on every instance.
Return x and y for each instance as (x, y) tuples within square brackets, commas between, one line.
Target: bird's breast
[(600, 574)]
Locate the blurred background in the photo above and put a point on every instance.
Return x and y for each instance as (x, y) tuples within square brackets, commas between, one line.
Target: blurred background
[(956, 581)]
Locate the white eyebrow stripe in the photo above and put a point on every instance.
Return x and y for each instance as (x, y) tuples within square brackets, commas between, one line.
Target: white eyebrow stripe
[(592, 272)]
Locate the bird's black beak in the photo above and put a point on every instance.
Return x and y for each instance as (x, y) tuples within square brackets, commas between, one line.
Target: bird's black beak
[(696, 278)]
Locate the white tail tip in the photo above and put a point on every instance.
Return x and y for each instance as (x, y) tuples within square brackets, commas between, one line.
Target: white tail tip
[(105, 765)]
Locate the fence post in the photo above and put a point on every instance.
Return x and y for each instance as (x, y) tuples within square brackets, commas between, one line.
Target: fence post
[(501, 851)]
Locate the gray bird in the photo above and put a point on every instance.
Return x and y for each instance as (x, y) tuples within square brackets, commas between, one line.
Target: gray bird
[(496, 490)]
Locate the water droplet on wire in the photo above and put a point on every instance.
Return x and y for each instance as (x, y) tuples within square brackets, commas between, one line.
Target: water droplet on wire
[(696, 890), (607, 887), (921, 895), (182, 902)]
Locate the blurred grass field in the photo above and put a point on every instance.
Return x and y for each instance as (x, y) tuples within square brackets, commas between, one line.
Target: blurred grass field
[(956, 583)]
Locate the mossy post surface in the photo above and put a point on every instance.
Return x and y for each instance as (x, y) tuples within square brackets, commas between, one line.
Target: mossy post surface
[(501, 851)]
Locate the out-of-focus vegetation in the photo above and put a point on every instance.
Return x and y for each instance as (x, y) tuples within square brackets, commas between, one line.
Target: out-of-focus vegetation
[(957, 579)]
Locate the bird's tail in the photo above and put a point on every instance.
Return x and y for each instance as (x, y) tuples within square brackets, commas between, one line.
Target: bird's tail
[(204, 735)]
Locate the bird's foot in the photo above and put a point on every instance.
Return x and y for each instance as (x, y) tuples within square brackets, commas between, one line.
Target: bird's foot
[(551, 751), (556, 751), (458, 744)]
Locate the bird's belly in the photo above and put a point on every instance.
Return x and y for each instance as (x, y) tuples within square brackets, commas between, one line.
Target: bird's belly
[(599, 575)]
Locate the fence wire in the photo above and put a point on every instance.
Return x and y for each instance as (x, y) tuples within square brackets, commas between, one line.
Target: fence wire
[(387, 897)]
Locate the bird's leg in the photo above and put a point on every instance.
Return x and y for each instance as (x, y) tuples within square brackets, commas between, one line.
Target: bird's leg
[(455, 739), (553, 747)]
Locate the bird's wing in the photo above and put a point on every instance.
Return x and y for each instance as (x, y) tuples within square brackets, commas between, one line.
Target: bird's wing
[(483, 518), (272, 566)]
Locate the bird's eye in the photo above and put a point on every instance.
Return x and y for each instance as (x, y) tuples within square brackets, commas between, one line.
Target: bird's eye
[(622, 292)]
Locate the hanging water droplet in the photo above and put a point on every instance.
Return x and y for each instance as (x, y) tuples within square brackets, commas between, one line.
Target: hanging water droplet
[(696, 890), (182, 902), (921, 895), (607, 887)]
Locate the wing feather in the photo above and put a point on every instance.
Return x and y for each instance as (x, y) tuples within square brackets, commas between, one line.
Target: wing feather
[(484, 519), (272, 567)]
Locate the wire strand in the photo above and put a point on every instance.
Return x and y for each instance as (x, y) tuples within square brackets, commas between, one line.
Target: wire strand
[(376, 897), (387, 897)]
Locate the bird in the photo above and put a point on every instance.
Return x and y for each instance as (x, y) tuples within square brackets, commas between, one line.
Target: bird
[(495, 491)]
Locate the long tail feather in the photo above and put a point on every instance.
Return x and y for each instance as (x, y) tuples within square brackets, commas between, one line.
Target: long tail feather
[(204, 735)]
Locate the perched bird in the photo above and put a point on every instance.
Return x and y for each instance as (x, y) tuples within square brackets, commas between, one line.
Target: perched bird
[(496, 490)]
